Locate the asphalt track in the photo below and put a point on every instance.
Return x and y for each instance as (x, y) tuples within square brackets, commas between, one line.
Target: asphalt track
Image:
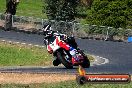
[(118, 53)]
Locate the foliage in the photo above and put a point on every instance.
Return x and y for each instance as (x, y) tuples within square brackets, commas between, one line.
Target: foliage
[(61, 9), (113, 13)]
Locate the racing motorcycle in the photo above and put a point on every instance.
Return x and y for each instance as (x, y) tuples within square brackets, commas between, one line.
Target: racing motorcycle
[(62, 55)]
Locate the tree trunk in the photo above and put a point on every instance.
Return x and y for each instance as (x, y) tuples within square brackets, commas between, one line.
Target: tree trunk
[(8, 21), (10, 11), (87, 2)]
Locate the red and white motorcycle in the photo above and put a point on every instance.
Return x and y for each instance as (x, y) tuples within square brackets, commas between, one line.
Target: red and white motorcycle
[(59, 47)]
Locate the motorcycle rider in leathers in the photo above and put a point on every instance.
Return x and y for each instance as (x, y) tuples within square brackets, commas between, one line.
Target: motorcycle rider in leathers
[(50, 34)]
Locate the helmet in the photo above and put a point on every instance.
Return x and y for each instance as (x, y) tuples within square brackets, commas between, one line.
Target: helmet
[(47, 30)]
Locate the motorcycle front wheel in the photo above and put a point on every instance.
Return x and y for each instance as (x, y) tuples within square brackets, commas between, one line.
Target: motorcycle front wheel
[(61, 57), (86, 62)]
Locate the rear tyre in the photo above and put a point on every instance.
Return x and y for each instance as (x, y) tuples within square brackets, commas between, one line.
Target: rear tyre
[(62, 59)]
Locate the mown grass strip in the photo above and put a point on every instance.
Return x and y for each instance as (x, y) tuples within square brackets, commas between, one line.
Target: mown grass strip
[(67, 84), (31, 8), (22, 55), (12, 54)]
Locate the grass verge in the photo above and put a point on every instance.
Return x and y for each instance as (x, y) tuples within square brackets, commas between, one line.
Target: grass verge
[(27, 8), (21, 55), (67, 84), (24, 55)]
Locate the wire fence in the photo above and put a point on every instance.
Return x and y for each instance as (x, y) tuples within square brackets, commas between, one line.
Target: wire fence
[(69, 28)]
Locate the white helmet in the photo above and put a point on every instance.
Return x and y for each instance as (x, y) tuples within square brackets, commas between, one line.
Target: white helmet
[(47, 30)]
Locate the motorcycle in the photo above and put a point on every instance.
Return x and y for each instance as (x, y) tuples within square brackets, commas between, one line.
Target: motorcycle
[(62, 55)]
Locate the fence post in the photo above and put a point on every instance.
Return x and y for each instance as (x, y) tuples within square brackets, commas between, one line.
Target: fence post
[(42, 22), (102, 31), (0, 15), (73, 31), (12, 21), (107, 33)]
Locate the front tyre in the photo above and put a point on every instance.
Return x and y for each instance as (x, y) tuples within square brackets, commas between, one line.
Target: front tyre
[(86, 62), (61, 57)]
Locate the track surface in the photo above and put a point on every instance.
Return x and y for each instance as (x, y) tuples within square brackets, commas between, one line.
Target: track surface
[(118, 53)]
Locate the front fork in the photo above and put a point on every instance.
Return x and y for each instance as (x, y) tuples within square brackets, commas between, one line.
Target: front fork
[(68, 56)]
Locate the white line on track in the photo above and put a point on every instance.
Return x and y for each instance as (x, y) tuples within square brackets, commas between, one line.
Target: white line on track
[(30, 44), (36, 45), (106, 61), (23, 43), (17, 42), (42, 46), (3, 40), (10, 41)]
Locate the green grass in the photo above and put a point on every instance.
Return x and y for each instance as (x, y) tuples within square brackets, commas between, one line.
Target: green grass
[(23, 55), (12, 55), (31, 8), (67, 84), (2, 6)]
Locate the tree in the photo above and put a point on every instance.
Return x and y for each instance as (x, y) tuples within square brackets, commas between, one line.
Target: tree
[(65, 10), (61, 9), (11, 6), (82, 7), (112, 13)]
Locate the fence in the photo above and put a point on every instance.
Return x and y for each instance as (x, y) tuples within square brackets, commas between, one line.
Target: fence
[(70, 28)]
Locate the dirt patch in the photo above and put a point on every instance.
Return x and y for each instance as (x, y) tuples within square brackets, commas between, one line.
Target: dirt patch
[(26, 78), (2, 23), (25, 26)]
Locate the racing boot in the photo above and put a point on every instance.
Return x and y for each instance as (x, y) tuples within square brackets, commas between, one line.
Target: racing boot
[(56, 62)]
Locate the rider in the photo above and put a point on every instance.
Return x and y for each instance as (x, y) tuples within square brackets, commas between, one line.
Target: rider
[(50, 34)]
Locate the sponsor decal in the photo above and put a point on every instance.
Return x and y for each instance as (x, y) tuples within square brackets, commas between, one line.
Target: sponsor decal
[(83, 78)]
